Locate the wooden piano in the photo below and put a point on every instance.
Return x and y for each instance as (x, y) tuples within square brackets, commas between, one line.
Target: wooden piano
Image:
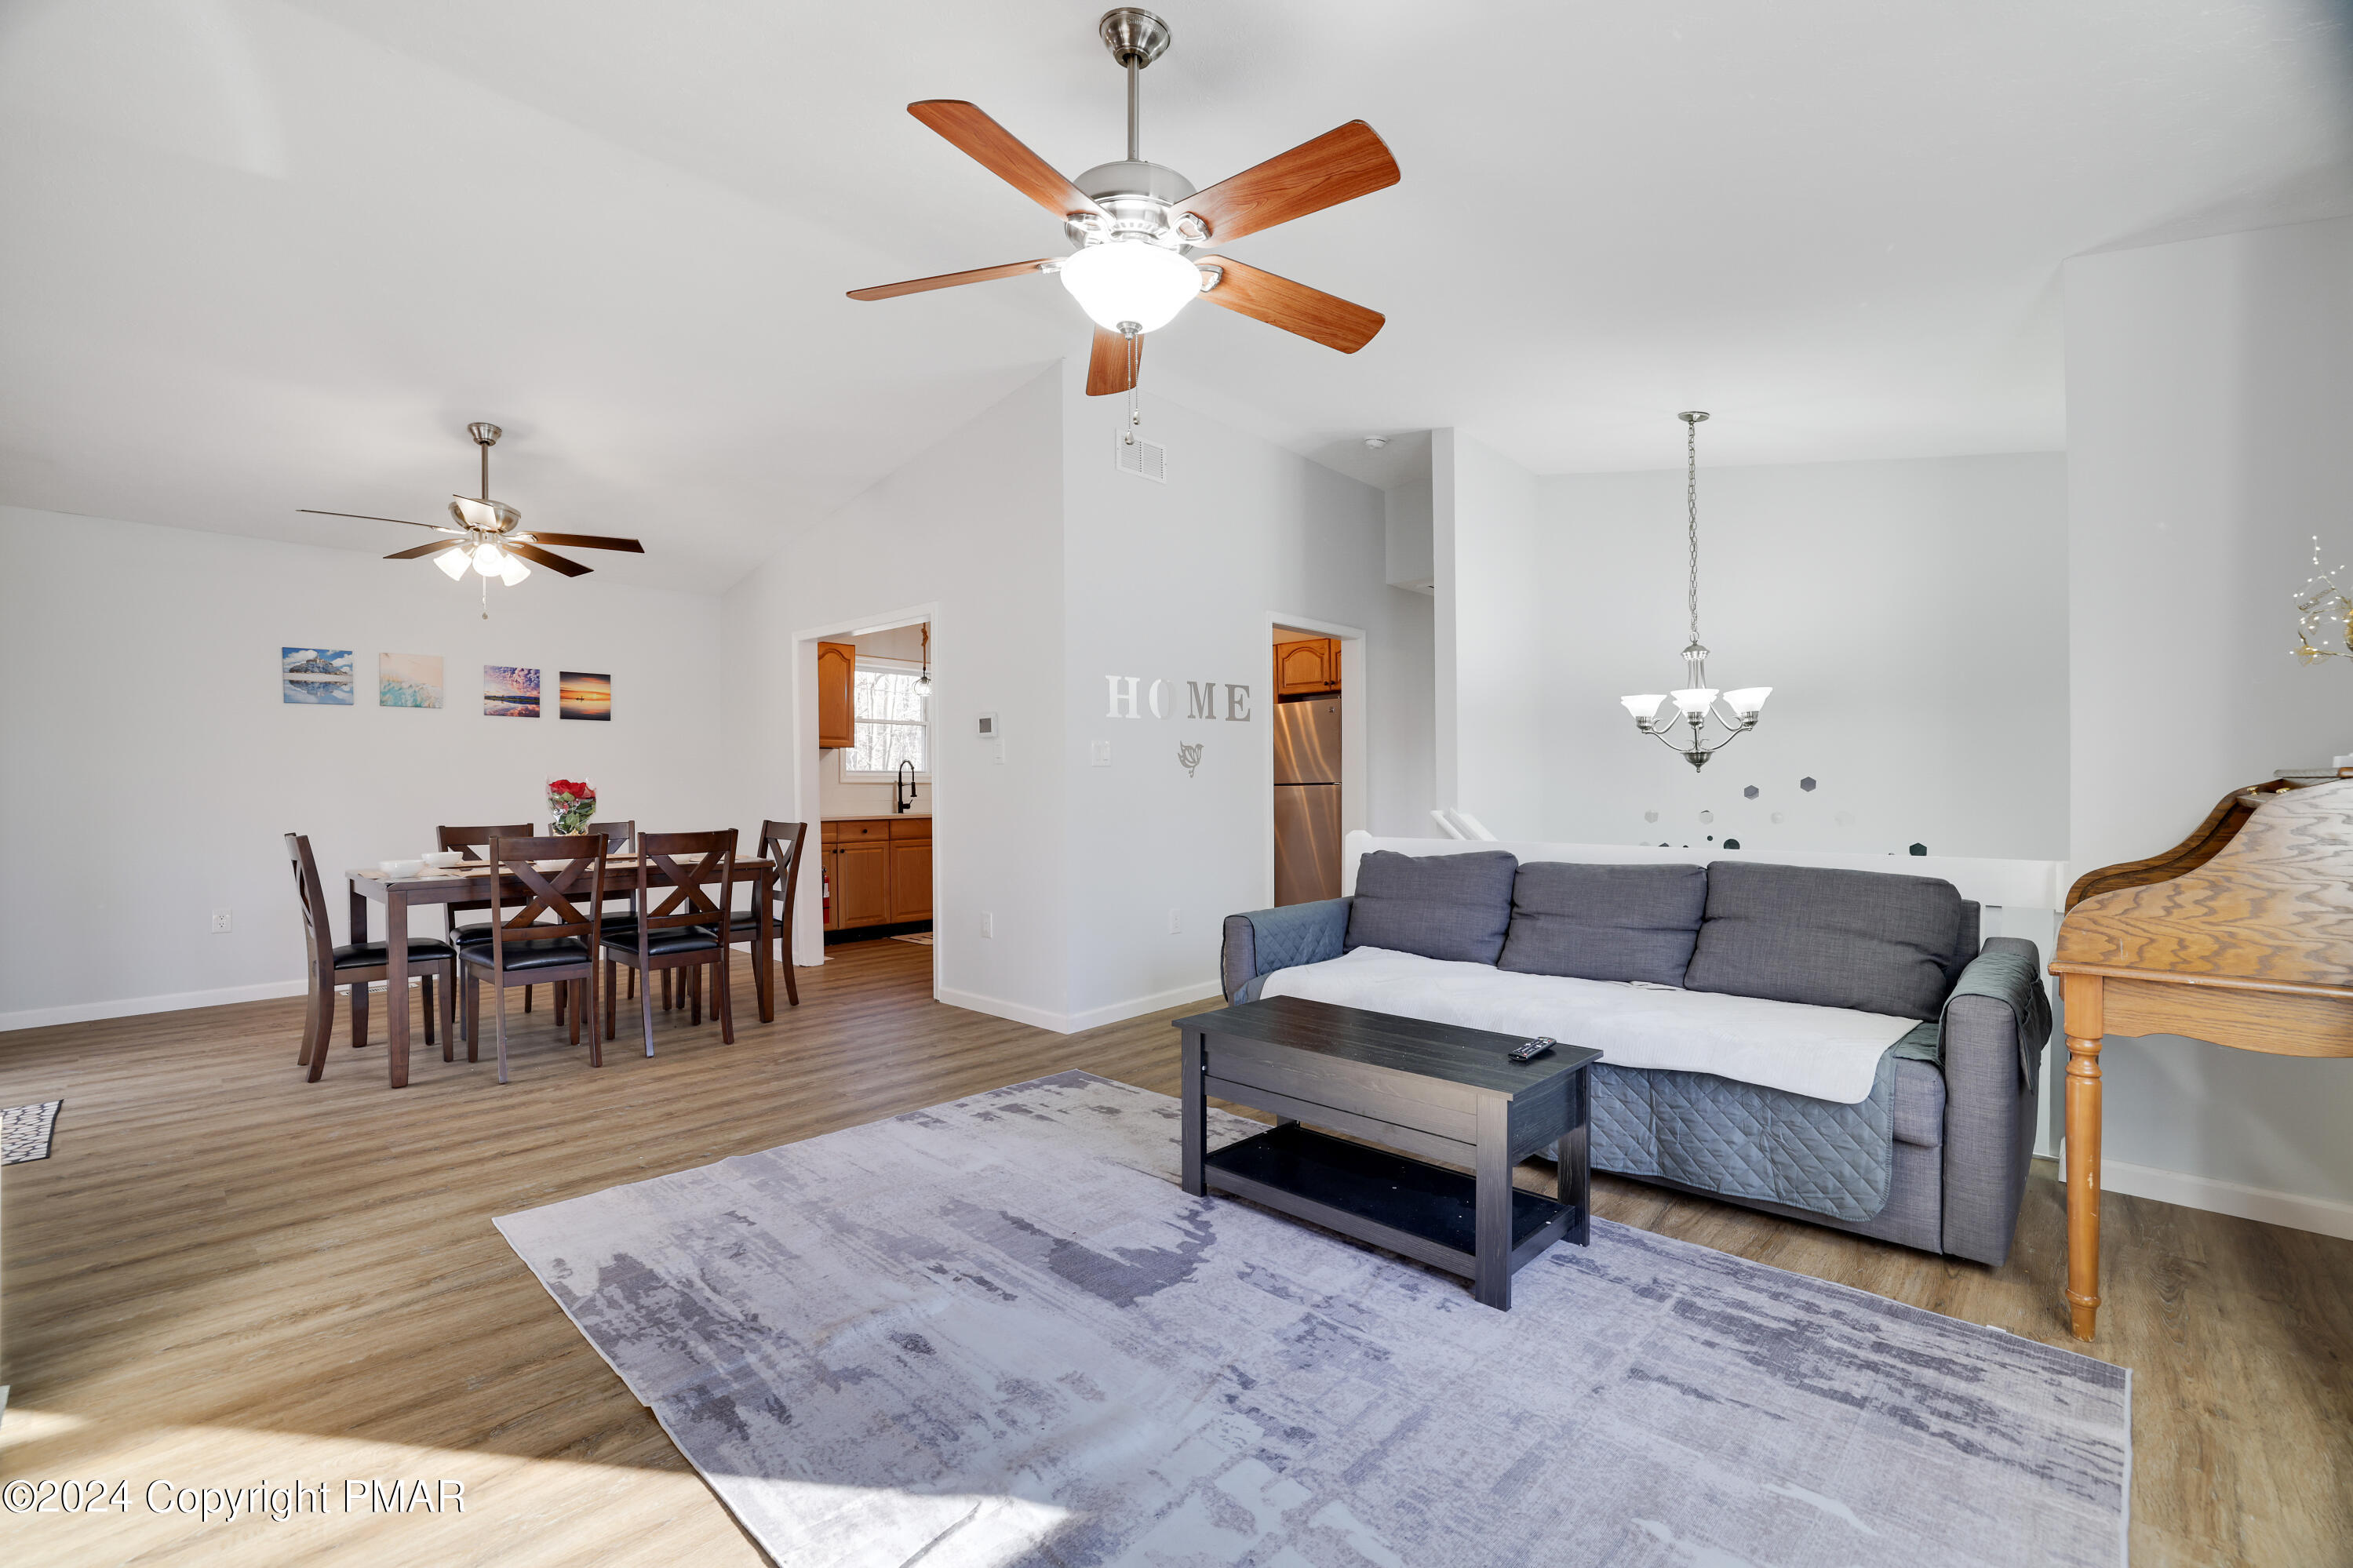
[(2242, 934)]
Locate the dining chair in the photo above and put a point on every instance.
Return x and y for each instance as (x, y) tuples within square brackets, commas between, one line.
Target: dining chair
[(550, 939), (470, 842), (619, 835), (682, 934), (623, 835), (357, 965), (781, 843)]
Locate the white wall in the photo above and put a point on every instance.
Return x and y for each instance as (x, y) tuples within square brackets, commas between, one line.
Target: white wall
[(1910, 616), (972, 526), (2210, 391), (1484, 510), (1412, 562), (1180, 581), (150, 768)]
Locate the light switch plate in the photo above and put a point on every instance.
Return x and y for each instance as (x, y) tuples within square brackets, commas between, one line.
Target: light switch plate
[(1099, 753)]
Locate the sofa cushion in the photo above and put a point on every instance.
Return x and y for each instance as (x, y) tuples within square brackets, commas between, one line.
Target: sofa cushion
[(1605, 922), (1866, 940), (1439, 905)]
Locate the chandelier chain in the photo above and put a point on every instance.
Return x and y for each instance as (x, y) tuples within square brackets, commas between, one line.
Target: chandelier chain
[(1691, 500)]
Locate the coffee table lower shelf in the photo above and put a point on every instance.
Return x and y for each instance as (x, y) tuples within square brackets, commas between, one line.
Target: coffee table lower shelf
[(1410, 1206)]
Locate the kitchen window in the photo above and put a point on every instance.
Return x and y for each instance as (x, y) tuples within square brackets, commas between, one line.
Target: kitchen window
[(894, 723)]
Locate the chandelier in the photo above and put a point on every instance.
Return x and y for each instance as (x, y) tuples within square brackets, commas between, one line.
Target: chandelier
[(1680, 718)]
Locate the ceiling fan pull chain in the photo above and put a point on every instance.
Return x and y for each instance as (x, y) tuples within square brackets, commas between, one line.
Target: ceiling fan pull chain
[(1134, 348)]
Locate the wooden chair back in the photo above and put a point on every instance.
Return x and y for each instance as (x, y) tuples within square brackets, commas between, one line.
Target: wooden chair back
[(622, 834), (314, 896), (570, 897), (473, 843), (691, 902), (781, 842)]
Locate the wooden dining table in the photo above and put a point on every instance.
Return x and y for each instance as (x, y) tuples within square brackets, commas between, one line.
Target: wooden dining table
[(470, 883)]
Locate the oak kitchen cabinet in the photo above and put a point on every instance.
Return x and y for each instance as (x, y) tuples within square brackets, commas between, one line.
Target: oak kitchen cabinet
[(1309, 668), (878, 869), (837, 706)]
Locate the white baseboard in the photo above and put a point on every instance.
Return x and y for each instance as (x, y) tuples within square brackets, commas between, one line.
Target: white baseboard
[(2323, 1216), (996, 1007), (1135, 1008), (1072, 1023), (130, 1007)]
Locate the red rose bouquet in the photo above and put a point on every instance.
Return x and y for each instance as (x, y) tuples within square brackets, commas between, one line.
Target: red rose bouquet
[(573, 802)]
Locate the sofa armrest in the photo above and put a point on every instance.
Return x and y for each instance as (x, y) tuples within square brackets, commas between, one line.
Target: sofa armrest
[(1263, 940), (1995, 1028)]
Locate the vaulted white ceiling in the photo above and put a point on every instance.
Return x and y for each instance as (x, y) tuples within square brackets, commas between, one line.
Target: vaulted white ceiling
[(257, 256)]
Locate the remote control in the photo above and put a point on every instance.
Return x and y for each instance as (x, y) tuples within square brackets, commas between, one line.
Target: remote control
[(1541, 1045)]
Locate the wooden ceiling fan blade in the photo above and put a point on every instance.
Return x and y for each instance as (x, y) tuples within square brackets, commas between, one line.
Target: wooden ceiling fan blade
[(1338, 166), (587, 542), (435, 548), (1114, 365), (544, 557), (951, 280), (364, 517), (997, 150), (1294, 306)]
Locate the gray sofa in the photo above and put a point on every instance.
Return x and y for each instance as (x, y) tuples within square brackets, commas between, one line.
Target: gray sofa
[(1936, 1157)]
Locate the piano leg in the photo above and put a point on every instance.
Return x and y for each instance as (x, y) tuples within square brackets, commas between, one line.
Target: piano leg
[(2083, 997)]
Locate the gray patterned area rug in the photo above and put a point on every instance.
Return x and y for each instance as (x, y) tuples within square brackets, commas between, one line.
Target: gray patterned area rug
[(24, 1132), (996, 1331)]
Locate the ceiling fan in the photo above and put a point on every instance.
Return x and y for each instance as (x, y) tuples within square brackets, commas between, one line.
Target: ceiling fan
[(487, 537), (1137, 224)]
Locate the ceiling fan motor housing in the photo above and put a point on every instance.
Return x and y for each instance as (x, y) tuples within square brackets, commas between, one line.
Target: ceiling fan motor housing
[(1129, 32), (1140, 200)]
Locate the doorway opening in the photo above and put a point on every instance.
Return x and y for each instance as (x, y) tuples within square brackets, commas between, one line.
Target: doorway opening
[(866, 768), (1316, 765)]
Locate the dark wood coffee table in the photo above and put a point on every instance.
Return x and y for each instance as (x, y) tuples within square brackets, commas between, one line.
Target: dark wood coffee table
[(1435, 1091)]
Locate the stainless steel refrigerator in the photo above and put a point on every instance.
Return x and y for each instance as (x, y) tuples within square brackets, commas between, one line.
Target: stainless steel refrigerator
[(1306, 801)]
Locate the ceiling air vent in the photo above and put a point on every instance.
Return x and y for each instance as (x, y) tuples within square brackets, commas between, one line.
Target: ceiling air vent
[(1145, 460)]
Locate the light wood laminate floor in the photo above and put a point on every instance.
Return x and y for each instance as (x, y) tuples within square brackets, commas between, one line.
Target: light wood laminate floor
[(226, 1277)]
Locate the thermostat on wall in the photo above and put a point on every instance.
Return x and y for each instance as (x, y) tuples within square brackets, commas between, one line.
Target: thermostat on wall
[(990, 728)]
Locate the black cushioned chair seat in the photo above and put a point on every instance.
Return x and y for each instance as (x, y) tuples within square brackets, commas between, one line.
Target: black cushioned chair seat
[(521, 956), (623, 935), (375, 955), (746, 922), (467, 936)]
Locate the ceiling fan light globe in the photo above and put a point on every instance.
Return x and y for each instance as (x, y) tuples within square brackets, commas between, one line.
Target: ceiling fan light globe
[(1130, 279), (452, 562), (513, 571), (490, 559)]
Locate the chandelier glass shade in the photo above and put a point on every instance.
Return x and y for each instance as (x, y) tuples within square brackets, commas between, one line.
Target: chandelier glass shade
[(1130, 278), (1696, 720)]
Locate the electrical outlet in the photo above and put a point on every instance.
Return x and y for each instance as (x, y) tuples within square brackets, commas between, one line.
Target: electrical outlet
[(988, 923), (1175, 921), (1000, 752), (220, 922), (1099, 753)]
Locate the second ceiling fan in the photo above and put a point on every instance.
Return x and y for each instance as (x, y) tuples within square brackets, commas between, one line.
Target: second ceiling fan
[(1137, 224)]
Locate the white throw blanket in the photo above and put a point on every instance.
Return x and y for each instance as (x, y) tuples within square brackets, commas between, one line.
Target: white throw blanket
[(1827, 1053)]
